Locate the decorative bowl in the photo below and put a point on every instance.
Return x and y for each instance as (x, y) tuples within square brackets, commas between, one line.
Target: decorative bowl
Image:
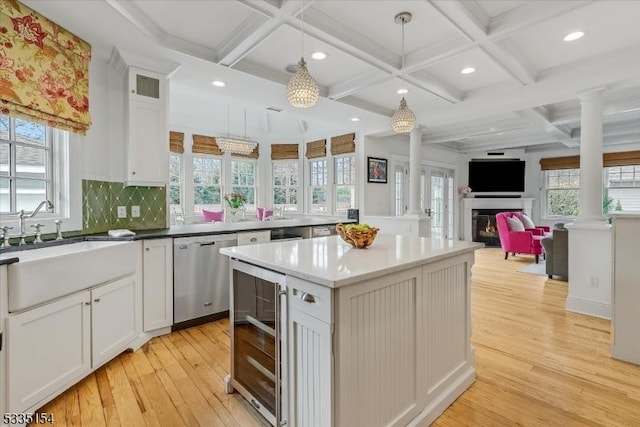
[(359, 239)]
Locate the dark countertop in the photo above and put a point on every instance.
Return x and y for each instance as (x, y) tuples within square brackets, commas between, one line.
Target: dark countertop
[(11, 255)]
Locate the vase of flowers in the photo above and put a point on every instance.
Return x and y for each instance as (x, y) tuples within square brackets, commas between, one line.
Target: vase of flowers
[(464, 191), (235, 201)]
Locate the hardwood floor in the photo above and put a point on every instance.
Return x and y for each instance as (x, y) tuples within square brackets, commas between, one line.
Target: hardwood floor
[(537, 365)]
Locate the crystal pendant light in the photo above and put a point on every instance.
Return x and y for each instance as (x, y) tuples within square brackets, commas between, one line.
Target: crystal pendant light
[(234, 145), (403, 120), (302, 89)]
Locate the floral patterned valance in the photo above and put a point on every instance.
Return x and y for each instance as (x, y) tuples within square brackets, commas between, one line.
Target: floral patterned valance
[(44, 70)]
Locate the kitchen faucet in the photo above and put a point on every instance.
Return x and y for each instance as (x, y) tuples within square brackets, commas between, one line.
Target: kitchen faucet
[(24, 215)]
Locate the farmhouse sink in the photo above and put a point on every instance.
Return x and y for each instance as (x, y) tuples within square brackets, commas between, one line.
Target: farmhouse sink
[(52, 272)]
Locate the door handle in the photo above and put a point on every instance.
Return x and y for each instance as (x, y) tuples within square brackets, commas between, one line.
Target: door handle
[(208, 304), (208, 244)]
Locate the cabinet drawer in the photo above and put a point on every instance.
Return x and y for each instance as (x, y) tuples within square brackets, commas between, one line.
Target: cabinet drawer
[(254, 237), (309, 298)]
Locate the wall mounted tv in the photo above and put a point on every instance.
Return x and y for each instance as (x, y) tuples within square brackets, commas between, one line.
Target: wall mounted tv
[(492, 176)]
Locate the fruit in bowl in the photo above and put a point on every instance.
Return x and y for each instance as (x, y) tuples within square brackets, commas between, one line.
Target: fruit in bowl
[(357, 235)]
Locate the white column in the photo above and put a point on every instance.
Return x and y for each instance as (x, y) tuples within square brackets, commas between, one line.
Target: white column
[(591, 157), (415, 157)]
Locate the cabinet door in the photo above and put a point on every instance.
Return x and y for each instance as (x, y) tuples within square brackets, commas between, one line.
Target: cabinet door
[(113, 319), (48, 349), (157, 284), (148, 151), (310, 371)]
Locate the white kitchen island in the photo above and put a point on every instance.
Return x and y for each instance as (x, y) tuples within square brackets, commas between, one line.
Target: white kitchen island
[(371, 337)]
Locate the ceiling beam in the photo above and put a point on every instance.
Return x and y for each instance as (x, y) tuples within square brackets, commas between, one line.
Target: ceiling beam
[(357, 83), (540, 119)]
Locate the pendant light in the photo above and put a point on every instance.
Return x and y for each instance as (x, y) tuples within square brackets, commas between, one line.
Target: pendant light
[(302, 89), (235, 145), (403, 120)]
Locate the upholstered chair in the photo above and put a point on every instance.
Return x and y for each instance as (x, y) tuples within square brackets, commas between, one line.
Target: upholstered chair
[(515, 238), (556, 248), (264, 214), (212, 216)]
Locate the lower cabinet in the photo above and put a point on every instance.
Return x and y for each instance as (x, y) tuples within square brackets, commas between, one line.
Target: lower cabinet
[(57, 344), (157, 278)]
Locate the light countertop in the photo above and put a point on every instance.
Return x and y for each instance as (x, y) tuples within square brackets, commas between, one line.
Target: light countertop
[(331, 262)]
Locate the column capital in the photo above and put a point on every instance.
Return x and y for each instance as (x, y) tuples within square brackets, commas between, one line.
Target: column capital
[(592, 94)]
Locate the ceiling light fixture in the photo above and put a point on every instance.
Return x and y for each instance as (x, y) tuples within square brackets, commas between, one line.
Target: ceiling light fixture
[(302, 89), (218, 83), (403, 91), (468, 70), (573, 36), (236, 145), (355, 119), (403, 120), (319, 56)]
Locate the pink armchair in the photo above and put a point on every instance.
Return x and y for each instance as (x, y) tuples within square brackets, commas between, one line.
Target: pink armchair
[(518, 242), (264, 214), (537, 230), (212, 216)]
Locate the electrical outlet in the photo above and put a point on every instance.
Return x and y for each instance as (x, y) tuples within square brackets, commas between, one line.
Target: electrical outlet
[(593, 282), (122, 211), (135, 211)]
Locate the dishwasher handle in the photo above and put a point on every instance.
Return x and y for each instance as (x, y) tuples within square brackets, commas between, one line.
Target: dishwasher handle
[(207, 243)]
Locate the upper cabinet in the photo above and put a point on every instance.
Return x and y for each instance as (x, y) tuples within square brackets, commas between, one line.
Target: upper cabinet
[(146, 129)]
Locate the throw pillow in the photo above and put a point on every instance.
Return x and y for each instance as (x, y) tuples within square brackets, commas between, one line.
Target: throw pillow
[(526, 221), (515, 224)]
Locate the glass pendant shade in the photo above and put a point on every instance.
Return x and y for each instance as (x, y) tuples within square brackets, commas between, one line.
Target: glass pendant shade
[(403, 120), (302, 89), (236, 146)]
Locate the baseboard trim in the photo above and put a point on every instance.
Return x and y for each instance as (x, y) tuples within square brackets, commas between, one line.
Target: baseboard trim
[(590, 308), (445, 399)]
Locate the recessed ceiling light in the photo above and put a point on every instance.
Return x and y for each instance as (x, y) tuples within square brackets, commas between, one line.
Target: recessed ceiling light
[(492, 130), (355, 119), (468, 70), (573, 36), (319, 55), (218, 83), (403, 91)]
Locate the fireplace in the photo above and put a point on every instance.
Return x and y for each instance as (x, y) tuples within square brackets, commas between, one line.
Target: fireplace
[(483, 225), (498, 204)]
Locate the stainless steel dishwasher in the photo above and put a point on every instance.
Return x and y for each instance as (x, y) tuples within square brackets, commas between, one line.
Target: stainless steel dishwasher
[(200, 278)]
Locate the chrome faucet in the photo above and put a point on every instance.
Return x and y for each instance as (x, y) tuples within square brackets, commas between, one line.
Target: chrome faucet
[(24, 215), (5, 236), (38, 232)]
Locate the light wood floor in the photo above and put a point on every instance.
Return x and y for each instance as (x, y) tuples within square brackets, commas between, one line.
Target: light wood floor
[(537, 365)]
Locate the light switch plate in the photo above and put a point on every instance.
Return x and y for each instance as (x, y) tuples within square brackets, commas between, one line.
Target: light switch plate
[(135, 211), (122, 211)]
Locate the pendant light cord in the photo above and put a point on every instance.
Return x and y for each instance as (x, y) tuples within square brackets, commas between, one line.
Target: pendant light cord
[(402, 59), (302, 15)]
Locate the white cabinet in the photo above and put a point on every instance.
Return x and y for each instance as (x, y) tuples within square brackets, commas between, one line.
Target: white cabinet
[(310, 354), (254, 237), (55, 345), (147, 130), (48, 348), (157, 278), (625, 337), (114, 321)]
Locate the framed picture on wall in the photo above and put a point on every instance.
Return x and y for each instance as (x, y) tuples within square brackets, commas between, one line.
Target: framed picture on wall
[(376, 170)]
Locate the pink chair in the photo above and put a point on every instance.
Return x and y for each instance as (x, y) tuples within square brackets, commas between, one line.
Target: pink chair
[(212, 216), (518, 242), (264, 214)]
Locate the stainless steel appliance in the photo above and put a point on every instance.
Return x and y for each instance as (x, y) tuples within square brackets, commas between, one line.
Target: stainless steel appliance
[(258, 340), (200, 277), (325, 230)]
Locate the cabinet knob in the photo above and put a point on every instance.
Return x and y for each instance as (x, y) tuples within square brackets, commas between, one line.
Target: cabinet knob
[(96, 300), (253, 239), (146, 249), (87, 303), (133, 173)]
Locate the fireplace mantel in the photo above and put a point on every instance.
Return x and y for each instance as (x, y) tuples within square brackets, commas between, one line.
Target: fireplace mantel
[(470, 203)]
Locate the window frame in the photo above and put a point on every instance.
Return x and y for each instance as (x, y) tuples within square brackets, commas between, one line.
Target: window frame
[(180, 184), (325, 186), (250, 207), (287, 206), (353, 165), (546, 191), (195, 211)]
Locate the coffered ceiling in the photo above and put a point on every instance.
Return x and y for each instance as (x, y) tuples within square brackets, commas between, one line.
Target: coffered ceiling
[(523, 92)]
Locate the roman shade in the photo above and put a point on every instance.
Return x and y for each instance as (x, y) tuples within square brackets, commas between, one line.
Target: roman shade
[(176, 142), (316, 149), (284, 151), (343, 144), (622, 158), (205, 145), (253, 155), (44, 70)]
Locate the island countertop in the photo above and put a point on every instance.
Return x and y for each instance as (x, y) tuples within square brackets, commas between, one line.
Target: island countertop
[(331, 262)]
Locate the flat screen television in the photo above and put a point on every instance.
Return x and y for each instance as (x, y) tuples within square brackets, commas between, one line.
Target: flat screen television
[(493, 176)]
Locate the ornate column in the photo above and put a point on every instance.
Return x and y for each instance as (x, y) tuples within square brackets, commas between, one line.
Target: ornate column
[(591, 157), (415, 157)]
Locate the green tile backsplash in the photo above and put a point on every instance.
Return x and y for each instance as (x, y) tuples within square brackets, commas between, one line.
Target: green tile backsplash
[(100, 201)]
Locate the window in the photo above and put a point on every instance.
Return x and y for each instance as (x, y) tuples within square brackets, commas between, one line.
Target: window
[(345, 181), (285, 185), (26, 164), (562, 192), (318, 188), (623, 188), (243, 179), (399, 187), (207, 183), (175, 195)]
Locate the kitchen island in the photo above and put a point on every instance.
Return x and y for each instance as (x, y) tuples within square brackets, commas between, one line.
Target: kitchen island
[(368, 337)]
